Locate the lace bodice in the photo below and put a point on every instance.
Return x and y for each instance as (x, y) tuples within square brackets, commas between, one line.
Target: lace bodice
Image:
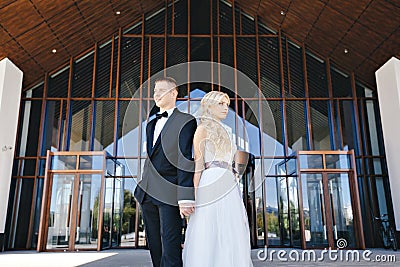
[(211, 155)]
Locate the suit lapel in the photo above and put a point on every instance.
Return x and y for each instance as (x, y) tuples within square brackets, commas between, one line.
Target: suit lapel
[(164, 130), (150, 135)]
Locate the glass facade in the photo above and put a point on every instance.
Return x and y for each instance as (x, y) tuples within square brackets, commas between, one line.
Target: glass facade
[(83, 107)]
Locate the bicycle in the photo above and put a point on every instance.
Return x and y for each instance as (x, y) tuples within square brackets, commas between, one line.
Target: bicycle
[(387, 232)]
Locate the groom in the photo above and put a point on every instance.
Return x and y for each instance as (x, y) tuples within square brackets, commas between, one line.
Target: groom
[(165, 192)]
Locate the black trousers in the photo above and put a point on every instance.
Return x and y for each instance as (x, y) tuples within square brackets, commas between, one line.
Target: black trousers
[(163, 225)]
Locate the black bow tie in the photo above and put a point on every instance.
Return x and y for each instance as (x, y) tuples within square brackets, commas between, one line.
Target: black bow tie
[(160, 115)]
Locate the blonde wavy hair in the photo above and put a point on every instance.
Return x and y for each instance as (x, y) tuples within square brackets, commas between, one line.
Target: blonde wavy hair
[(216, 132)]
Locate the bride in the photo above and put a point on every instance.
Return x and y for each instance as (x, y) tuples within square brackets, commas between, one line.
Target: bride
[(217, 233)]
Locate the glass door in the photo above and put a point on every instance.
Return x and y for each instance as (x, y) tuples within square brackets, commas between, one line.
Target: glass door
[(73, 215), (327, 210), (60, 230), (88, 209), (341, 208), (314, 210)]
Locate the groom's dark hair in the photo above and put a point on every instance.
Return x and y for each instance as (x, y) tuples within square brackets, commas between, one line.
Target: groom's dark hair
[(168, 80)]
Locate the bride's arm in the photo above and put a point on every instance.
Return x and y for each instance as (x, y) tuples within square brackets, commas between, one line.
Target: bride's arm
[(199, 146)]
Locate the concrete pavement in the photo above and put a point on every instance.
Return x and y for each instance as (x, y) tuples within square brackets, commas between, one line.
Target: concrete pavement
[(141, 258)]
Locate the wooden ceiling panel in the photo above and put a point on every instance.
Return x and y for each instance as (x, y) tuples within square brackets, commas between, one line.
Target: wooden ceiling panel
[(270, 12), (366, 72), (14, 52), (35, 74), (101, 20), (370, 29), (356, 40), (94, 12), (78, 45), (394, 2), (382, 17), (49, 9), (308, 10), (331, 21), (321, 41), (102, 31), (389, 48), (50, 61), (350, 60), (4, 3), (295, 26), (282, 3), (27, 17), (351, 9), (249, 7), (135, 6), (4, 36), (47, 40), (70, 19)]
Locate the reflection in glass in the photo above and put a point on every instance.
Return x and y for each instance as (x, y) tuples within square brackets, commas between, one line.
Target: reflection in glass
[(130, 67), (250, 134), (348, 125), (381, 193), (246, 48), (51, 127), (314, 210), (270, 67), (60, 214), (63, 162), (104, 126), (83, 76), (107, 213), (80, 125), (296, 126), (337, 161), (38, 209), (283, 202), (176, 52), (317, 82), (29, 128), (311, 162), (103, 70), (259, 217), (58, 84), (118, 207), (341, 208), (128, 214), (371, 123), (274, 233), (295, 70), (319, 113), (128, 128), (294, 212), (119, 213), (88, 211), (341, 83), (91, 162), (272, 127)]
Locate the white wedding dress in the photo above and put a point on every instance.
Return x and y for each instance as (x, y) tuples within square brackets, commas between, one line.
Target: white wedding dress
[(218, 232)]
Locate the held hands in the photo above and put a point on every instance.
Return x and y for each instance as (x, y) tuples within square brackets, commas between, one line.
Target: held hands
[(185, 209)]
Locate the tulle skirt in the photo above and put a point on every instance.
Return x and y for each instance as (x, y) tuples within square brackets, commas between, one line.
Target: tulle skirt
[(218, 233)]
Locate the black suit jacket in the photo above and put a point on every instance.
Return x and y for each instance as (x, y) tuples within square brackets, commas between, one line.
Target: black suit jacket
[(168, 170)]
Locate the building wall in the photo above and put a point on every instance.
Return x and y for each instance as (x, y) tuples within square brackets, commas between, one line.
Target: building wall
[(83, 106)]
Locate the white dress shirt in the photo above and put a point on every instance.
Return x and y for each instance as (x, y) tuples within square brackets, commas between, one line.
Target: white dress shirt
[(160, 125)]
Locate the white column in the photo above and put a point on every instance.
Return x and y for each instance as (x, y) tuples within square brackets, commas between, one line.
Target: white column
[(388, 83), (10, 95)]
